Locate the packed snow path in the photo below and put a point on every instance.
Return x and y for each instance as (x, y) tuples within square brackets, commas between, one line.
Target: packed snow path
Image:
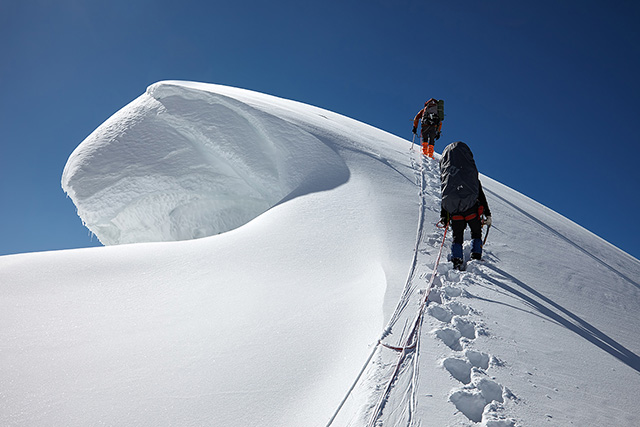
[(390, 388)]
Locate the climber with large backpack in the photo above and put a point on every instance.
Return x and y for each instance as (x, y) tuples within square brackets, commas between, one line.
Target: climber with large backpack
[(463, 201), (430, 120)]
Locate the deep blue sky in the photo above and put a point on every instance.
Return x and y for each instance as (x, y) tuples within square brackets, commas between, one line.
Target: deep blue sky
[(546, 93)]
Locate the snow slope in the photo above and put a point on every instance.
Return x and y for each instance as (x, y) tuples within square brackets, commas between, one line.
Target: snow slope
[(321, 241)]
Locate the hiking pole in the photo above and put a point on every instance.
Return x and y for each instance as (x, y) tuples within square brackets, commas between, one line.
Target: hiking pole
[(412, 141), (486, 235)]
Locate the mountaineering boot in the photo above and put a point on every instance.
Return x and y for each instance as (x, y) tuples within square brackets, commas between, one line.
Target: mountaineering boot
[(457, 263), (425, 149), (476, 255), (430, 151)]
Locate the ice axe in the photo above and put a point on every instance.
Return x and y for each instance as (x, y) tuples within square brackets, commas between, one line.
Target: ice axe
[(486, 235)]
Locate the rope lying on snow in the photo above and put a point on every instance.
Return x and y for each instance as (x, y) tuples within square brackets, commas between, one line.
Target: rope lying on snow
[(423, 304), (411, 341)]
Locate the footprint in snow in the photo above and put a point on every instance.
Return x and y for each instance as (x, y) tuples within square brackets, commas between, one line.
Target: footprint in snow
[(453, 275), (450, 337), (452, 291), (473, 399), (445, 313), (470, 403), (466, 327), (478, 359), (458, 309), (440, 313), (490, 390), (435, 296), (459, 369), (493, 416)]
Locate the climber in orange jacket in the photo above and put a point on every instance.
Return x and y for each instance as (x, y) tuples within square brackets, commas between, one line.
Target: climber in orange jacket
[(431, 126)]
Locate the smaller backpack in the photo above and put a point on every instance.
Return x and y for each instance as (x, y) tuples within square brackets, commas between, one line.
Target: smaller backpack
[(432, 119), (435, 113)]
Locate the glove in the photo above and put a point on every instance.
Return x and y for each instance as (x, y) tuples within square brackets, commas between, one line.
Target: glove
[(415, 129), (444, 219), (437, 136), (487, 221)]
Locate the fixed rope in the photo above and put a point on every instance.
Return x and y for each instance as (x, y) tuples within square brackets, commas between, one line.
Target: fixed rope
[(410, 341)]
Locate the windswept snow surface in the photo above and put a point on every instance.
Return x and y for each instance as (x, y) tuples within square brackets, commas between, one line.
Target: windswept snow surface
[(180, 163), (315, 239)]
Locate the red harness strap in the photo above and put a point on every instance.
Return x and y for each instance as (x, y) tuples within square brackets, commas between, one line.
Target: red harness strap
[(468, 217)]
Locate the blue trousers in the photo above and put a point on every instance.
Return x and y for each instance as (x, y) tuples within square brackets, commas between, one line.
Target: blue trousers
[(458, 226)]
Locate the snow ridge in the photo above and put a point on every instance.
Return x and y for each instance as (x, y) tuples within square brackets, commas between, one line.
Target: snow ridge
[(232, 329)]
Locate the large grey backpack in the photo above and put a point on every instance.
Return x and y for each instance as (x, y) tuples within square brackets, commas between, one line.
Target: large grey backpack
[(459, 181)]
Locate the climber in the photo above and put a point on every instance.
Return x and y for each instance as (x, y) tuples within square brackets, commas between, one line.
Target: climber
[(430, 119), (463, 201)]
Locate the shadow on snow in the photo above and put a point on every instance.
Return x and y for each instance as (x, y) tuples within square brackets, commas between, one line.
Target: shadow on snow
[(574, 323)]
